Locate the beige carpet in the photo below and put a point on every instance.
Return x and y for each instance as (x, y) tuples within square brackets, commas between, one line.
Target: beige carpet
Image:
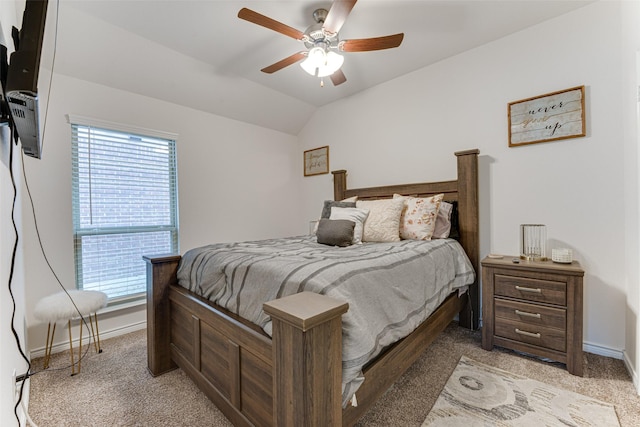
[(482, 394), (115, 388)]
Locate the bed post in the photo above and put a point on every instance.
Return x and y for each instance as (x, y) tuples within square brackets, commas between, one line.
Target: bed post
[(468, 220), (339, 184), (307, 359), (161, 272)]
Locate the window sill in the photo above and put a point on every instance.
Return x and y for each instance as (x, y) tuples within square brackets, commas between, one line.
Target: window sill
[(113, 307)]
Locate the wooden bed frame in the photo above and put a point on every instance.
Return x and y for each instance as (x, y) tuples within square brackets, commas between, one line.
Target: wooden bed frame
[(294, 377)]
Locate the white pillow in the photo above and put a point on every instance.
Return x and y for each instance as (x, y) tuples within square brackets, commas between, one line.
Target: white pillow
[(419, 216), (383, 222), (353, 214)]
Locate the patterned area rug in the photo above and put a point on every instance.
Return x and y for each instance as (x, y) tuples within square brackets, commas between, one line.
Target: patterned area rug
[(481, 395)]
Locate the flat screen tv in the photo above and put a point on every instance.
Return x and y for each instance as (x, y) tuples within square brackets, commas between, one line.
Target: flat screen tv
[(21, 89)]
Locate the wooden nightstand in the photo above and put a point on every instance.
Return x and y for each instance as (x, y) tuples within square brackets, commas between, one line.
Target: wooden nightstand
[(534, 307)]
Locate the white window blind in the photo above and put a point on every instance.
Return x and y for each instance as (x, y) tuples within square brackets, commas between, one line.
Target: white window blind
[(124, 207)]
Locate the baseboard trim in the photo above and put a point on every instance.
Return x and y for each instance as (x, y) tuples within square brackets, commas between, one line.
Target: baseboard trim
[(602, 351), (632, 372), (63, 346), (616, 354)]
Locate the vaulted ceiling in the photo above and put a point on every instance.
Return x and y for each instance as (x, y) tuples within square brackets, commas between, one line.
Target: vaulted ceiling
[(201, 55)]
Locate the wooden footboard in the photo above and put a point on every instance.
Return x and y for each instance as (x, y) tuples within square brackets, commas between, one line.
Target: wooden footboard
[(292, 379)]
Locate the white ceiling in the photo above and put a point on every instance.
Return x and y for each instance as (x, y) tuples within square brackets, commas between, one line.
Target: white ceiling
[(197, 53)]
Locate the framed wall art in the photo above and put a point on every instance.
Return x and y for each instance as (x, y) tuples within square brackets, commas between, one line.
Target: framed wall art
[(316, 161), (549, 117)]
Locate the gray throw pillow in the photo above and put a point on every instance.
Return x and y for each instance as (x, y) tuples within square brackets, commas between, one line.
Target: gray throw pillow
[(335, 232), (326, 209)]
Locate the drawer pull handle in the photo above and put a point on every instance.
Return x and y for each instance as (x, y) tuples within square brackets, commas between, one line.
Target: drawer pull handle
[(524, 313), (525, 289), (529, 334)]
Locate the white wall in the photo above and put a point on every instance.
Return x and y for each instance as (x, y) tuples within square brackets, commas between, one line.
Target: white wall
[(407, 130), (236, 182)]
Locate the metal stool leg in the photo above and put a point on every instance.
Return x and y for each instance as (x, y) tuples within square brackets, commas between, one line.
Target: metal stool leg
[(73, 363), (49, 345), (80, 349), (95, 334), (95, 315)]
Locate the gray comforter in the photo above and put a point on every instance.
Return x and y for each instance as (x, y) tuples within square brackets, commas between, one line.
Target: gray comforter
[(390, 287)]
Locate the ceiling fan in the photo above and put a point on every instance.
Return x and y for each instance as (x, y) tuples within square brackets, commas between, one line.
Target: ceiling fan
[(322, 41)]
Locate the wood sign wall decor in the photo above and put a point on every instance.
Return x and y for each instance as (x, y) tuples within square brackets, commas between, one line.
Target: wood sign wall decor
[(549, 117), (316, 161)]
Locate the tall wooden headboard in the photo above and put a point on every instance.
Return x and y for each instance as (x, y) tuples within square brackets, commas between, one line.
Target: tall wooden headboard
[(464, 190)]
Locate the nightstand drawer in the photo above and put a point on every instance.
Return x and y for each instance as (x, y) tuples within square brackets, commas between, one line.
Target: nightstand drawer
[(525, 288), (537, 335), (531, 314)]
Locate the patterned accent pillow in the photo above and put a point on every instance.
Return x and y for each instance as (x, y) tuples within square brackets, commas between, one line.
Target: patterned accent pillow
[(419, 216), (383, 222), (443, 221), (353, 214)]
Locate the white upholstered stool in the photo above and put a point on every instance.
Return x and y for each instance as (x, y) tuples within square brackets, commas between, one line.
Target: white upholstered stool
[(59, 307)]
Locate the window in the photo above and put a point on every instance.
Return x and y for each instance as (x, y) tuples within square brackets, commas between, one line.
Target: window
[(124, 205)]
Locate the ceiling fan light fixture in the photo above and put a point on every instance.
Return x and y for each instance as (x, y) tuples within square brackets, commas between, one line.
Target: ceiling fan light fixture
[(316, 58), (317, 55), (321, 63), (334, 62), (309, 66)]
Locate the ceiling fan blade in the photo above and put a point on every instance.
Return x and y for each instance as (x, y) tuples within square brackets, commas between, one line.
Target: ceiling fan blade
[(284, 63), (338, 78), (374, 43), (272, 24), (338, 13)]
